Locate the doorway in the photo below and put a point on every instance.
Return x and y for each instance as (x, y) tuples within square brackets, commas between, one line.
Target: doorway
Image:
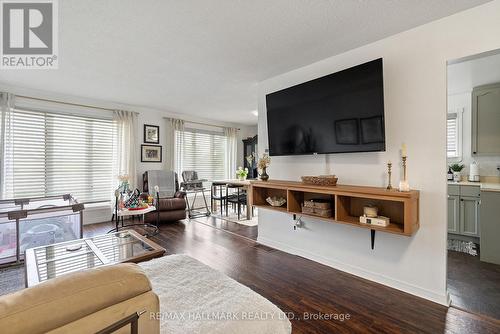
[(473, 157)]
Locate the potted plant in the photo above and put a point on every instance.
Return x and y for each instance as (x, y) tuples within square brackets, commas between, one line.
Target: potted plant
[(262, 165), (242, 173), (457, 169)]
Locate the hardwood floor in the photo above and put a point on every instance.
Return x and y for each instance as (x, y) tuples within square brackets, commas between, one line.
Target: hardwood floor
[(229, 226), (474, 285), (301, 286)]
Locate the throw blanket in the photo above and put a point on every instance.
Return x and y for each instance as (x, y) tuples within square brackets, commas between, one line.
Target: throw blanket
[(165, 180), (195, 298)]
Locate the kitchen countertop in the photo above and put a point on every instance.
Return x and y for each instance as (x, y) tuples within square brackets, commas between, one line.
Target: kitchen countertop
[(485, 186)]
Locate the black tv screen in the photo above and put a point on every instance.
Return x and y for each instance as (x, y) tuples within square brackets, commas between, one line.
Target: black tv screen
[(338, 113)]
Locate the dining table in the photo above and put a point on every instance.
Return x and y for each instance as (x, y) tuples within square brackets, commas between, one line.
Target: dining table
[(245, 184)]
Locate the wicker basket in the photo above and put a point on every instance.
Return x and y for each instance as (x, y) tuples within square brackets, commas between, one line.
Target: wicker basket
[(326, 213), (318, 204), (322, 180)]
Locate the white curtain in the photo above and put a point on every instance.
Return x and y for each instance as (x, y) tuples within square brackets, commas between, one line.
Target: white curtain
[(126, 143), (175, 144), (6, 149), (230, 168)]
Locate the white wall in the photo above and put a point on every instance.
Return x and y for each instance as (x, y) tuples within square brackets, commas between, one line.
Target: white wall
[(462, 78), (415, 107)]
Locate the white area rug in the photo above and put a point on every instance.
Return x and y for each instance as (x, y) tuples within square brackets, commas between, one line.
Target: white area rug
[(195, 298)]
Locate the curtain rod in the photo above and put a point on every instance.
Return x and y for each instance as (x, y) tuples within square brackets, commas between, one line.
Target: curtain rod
[(67, 103), (199, 123)]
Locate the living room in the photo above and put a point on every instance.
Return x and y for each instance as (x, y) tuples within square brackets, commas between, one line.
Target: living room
[(121, 188)]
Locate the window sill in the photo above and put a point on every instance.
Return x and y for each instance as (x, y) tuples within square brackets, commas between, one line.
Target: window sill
[(97, 206)]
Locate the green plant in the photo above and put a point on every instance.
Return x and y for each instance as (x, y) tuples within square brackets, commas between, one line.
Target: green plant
[(242, 173), (457, 167)]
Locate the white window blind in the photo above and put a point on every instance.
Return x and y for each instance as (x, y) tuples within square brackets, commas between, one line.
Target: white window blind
[(53, 154), (452, 131), (203, 152)]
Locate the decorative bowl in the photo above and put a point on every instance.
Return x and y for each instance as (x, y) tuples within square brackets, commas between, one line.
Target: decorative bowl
[(321, 180), (276, 201)]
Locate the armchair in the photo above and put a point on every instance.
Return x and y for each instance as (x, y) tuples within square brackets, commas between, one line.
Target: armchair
[(167, 209)]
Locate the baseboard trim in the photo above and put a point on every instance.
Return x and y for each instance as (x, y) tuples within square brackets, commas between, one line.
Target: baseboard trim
[(433, 296)]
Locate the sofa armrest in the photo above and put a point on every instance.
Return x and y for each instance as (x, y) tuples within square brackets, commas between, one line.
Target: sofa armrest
[(62, 300), (180, 194), (169, 204)]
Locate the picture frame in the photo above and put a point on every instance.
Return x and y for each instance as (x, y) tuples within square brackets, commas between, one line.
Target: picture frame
[(372, 130), (151, 153), (347, 131), (151, 134)]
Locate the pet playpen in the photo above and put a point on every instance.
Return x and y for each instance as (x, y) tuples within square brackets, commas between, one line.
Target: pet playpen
[(32, 222)]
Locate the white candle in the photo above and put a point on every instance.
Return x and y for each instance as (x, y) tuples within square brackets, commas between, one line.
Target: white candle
[(403, 150)]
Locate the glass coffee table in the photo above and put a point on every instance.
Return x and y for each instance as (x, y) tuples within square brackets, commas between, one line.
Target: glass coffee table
[(46, 262)]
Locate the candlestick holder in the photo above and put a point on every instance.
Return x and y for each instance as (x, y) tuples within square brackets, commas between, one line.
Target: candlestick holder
[(404, 168), (389, 172), (403, 184)]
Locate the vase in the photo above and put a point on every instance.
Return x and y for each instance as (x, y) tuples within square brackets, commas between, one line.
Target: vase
[(263, 175), (457, 176), (242, 178)]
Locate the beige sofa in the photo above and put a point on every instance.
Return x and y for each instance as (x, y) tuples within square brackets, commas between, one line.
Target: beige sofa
[(82, 302)]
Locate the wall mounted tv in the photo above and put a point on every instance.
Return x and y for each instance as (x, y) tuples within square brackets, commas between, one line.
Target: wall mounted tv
[(338, 113)]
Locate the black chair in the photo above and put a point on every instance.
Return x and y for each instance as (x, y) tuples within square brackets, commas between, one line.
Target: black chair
[(238, 198), (218, 192)]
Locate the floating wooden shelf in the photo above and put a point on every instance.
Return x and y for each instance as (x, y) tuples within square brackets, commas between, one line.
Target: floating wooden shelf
[(347, 203)]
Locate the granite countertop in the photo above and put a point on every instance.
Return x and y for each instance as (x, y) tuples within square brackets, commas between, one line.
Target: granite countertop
[(485, 186)]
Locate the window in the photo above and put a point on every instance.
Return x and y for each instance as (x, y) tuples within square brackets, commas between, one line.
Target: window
[(453, 132), (202, 151), (53, 154)]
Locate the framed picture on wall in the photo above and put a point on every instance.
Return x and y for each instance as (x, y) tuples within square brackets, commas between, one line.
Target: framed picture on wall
[(151, 134), (150, 153)]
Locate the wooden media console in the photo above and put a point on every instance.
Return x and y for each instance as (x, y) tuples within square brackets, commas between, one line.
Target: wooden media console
[(347, 203)]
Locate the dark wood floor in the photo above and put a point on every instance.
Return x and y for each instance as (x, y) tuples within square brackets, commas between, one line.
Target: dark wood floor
[(229, 226), (474, 285), (298, 285)]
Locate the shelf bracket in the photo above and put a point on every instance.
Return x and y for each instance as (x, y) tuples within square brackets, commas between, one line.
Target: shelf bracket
[(373, 238)]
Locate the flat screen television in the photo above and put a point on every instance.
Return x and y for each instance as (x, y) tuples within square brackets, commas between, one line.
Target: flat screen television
[(338, 113)]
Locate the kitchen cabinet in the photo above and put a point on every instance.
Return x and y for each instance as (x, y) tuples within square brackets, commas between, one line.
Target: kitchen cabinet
[(469, 216), (463, 210), (453, 213), (486, 119), (490, 226)]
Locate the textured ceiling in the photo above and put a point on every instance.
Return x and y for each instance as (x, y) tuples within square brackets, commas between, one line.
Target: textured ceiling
[(205, 57)]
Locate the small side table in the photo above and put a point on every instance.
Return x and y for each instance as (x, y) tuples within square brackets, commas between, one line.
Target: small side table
[(127, 213)]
